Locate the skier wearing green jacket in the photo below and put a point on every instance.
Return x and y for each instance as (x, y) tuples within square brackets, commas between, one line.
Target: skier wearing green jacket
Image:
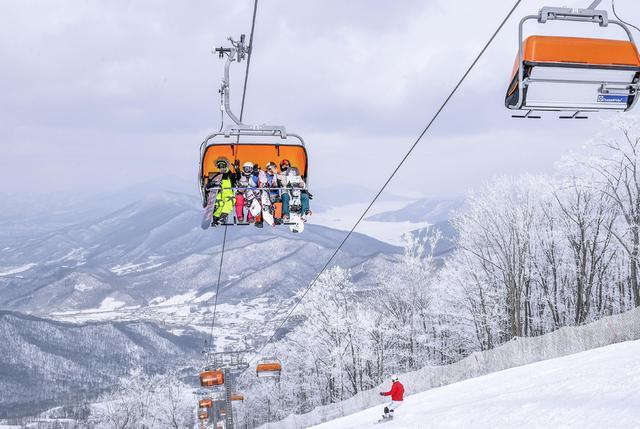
[(225, 199)]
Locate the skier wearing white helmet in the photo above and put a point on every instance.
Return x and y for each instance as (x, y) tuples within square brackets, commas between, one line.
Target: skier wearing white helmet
[(245, 195), (397, 396)]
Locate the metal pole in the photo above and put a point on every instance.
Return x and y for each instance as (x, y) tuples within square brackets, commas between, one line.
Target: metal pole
[(594, 4), (228, 419)]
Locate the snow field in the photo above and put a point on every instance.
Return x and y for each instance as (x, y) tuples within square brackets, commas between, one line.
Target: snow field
[(599, 388), (517, 352)]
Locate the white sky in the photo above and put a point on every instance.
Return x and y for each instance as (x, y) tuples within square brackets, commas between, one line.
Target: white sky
[(100, 94)]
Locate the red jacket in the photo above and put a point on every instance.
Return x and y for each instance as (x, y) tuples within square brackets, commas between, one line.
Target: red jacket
[(396, 392)]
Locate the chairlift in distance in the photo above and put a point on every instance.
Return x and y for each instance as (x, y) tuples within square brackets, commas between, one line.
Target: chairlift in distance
[(240, 142), (573, 74), (205, 403), (270, 367), (203, 414), (237, 397), (211, 377)]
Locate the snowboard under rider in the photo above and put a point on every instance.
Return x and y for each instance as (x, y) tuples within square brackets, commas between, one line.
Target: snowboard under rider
[(245, 195), (289, 178), (397, 396), (256, 177), (225, 181), (271, 171)]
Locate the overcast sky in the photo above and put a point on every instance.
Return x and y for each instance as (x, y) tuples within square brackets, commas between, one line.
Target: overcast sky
[(102, 94)]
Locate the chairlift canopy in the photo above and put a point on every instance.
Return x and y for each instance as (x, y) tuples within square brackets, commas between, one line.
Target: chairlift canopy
[(577, 74), (269, 368), (205, 403), (211, 378)]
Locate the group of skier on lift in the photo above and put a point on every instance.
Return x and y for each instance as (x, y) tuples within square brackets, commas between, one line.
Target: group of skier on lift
[(258, 192)]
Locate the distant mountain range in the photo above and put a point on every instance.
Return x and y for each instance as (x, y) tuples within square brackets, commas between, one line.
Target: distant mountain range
[(153, 250), (132, 284), (44, 363), (433, 210)]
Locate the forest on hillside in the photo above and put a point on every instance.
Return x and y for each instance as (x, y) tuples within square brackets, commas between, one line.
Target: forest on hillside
[(534, 253)]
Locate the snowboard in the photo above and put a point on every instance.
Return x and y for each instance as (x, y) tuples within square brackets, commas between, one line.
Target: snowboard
[(297, 222), (267, 216), (295, 182), (265, 200), (209, 209), (254, 207), (385, 420)]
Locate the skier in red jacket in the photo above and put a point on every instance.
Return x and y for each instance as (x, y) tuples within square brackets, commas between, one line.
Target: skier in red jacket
[(397, 396)]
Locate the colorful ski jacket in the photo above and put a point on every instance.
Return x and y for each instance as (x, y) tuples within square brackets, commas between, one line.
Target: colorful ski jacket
[(396, 392)]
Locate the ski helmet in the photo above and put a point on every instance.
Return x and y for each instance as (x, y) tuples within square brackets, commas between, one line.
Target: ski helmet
[(394, 378), (222, 163), (271, 164), (284, 164), (247, 167)]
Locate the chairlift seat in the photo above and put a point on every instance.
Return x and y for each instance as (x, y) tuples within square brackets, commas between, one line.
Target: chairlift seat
[(203, 414), (257, 153), (205, 403), (269, 368), (211, 378), (572, 74)]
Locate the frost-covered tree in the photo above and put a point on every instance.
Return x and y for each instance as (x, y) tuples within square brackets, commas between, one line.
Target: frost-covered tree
[(144, 401), (617, 164)]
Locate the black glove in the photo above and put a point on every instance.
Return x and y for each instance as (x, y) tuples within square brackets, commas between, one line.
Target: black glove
[(381, 393)]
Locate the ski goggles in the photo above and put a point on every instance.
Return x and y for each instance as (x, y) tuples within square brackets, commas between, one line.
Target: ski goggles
[(247, 169), (221, 165)]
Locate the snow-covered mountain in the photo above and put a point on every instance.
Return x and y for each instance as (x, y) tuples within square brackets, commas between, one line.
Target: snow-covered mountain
[(102, 272), (149, 260), (593, 389), (45, 363), (153, 251), (432, 210)]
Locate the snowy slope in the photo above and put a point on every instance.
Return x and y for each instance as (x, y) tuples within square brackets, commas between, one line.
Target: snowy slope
[(598, 388)]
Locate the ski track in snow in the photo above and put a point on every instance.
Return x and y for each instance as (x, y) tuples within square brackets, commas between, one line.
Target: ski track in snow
[(597, 389)]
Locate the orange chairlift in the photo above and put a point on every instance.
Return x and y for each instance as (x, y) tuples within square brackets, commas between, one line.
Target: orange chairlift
[(269, 368), (573, 74), (240, 143), (205, 403), (203, 414), (237, 397), (210, 377)]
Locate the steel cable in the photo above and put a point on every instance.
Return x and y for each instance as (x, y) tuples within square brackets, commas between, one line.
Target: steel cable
[(386, 183)]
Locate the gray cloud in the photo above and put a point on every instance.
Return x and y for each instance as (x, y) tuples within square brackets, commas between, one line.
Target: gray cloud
[(103, 93)]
